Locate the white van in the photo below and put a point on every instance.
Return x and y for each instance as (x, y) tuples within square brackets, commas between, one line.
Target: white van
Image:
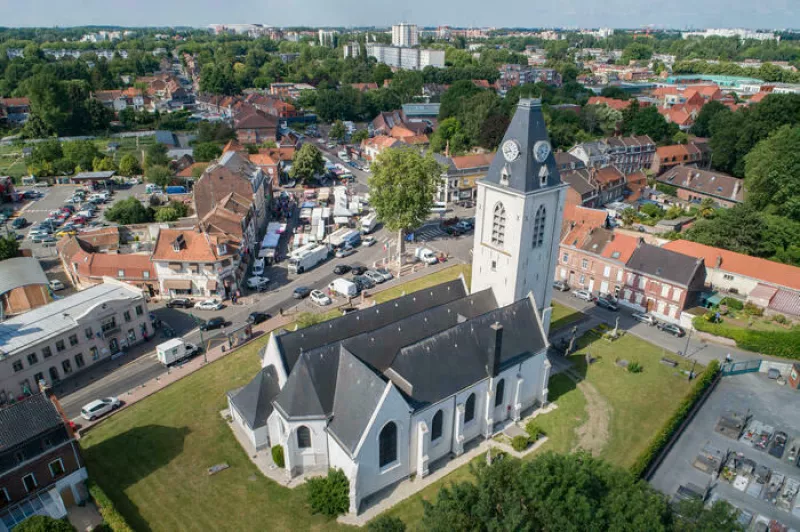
[(426, 255), (343, 287)]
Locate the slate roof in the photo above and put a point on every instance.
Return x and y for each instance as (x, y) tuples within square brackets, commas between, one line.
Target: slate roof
[(358, 391), (310, 388), (293, 343), (254, 400), (452, 360), (663, 263), (526, 128), (27, 419), (706, 182)]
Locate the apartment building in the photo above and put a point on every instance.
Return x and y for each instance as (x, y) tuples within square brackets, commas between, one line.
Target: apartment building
[(405, 35), (63, 338), (628, 154), (405, 58)]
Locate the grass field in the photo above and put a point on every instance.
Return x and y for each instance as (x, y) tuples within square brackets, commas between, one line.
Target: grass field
[(563, 316)]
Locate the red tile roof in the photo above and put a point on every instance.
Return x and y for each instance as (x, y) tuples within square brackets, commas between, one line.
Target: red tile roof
[(762, 269), (197, 247), (479, 160), (619, 105), (621, 247)]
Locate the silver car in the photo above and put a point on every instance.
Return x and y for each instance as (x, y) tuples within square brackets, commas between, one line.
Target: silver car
[(645, 318), (374, 276), (583, 294)]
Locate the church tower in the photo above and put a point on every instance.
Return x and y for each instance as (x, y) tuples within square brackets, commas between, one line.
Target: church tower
[(518, 215)]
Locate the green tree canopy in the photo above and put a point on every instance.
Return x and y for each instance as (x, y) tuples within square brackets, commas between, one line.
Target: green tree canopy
[(206, 151), (702, 125), (129, 165), (337, 131), (450, 134), (47, 151), (386, 523), (359, 136), (44, 523), (129, 211), (159, 175), (81, 153), (772, 171), (156, 155), (307, 163), (648, 121), (9, 247)]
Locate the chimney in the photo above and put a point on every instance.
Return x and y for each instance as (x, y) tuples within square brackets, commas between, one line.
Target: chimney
[(719, 261), (495, 348), (736, 188)]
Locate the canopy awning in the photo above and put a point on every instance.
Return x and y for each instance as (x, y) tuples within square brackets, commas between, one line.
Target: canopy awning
[(211, 284), (177, 284)]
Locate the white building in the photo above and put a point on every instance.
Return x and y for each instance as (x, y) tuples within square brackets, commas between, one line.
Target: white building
[(405, 58), (351, 49), (405, 35), (386, 391), (328, 38), (741, 33)]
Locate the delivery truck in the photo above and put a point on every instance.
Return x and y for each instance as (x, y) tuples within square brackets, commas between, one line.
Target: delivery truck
[(426, 255), (175, 350), (306, 257), (343, 287), (369, 222)]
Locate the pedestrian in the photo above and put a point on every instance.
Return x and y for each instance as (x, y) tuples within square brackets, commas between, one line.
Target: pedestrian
[(728, 358), (280, 310)]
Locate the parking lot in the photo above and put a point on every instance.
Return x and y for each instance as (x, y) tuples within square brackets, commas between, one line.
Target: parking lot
[(745, 469)]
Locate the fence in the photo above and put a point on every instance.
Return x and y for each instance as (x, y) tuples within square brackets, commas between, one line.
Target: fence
[(737, 368)]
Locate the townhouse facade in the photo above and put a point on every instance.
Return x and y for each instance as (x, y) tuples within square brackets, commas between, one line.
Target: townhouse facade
[(628, 154), (695, 153), (42, 471), (69, 335), (694, 185), (459, 180)]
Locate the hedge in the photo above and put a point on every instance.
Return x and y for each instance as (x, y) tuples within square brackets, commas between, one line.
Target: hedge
[(277, 456), (776, 343), (329, 495), (673, 423), (111, 516)]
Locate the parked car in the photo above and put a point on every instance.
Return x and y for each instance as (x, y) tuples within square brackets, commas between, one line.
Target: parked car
[(453, 230), (341, 269), (374, 276), (561, 286), (671, 328), (465, 225), (301, 292), (66, 232), (606, 304), (56, 285), (363, 282), (345, 251), (43, 239), (258, 267), (217, 322), (208, 304), (368, 241), (257, 283), (645, 318), (99, 407), (180, 302), (257, 317), (357, 269), (386, 274), (320, 298), (19, 223), (583, 294)]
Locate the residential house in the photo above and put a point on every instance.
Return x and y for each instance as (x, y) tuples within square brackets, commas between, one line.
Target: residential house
[(385, 122), (512, 75), (255, 127), (273, 161), (86, 265), (583, 189), (628, 154), (119, 100), (198, 264), (695, 154), (289, 90), (23, 286), (662, 282), (694, 185), (459, 180), (768, 284), (69, 335), (617, 105), (272, 106), (610, 182), (42, 471), (374, 146), (15, 110), (566, 161), (593, 258), (365, 87), (681, 115)]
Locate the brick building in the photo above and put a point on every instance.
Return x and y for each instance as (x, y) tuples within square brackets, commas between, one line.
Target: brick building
[(694, 185)]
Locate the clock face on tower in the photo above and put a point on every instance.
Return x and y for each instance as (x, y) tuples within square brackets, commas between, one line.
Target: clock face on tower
[(541, 150), (510, 150)]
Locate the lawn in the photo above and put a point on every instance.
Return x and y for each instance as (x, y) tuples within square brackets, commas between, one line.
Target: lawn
[(442, 276), (563, 316)]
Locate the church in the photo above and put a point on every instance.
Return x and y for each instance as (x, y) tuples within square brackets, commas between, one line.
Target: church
[(384, 392)]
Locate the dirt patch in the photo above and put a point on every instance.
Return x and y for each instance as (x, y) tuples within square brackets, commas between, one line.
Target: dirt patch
[(593, 435)]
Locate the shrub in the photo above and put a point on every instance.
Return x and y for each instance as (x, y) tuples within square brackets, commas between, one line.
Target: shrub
[(277, 456), (534, 431), (735, 304), (520, 443), (329, 495), (111, 516), (44, 523), (775, 343), (673, 423), (635, 367), (386, 523), (753, 310), (780, 318)]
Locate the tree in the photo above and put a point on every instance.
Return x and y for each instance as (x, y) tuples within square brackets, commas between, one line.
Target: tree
[(129, 165), (49, 102), (44, 523), (129, 211), (166, 214), (692, 516), (740, 229), (449, 136), (402, 187), (206, 151), (615, 92), (681, 137), (648, 121), (386, 523), (453, 99), (47, 151), (9, 247), (359, 136), (156, 155), (81, 152), (629, 216), (706, 209), (214, 132), (772, 173), (159, 175), (307, 163), (337, 131), (103, 164), (702, 124), (329, 495)]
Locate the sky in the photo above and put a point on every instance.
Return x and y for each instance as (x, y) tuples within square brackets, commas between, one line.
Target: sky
[(766, 14)]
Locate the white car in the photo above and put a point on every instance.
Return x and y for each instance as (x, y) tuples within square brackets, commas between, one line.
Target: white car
[(257, 283), (374, 276), (345, 251), (56, 285), (368, 241), (258, 267), (320, 298), (208, 304), (99, 407), (583, 294), (645, 318), (386, 274)]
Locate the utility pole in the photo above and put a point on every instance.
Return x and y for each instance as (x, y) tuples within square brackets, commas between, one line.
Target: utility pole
[(202, 342), (688, 337)]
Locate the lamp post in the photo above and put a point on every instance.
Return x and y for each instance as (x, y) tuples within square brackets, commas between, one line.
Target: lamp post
[(202, 341)]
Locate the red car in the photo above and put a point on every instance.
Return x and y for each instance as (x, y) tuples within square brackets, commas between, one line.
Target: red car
[(79, 220)]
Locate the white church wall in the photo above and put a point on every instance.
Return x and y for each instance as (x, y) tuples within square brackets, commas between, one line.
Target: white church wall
[(532, 371), (474, 428), (338, 457), (372, 477), (257, 438), (274, 427), (441, 446), (272, 355), (310, 457)]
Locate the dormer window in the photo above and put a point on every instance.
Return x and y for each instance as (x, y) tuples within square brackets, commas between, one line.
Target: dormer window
[(504, 174), (178, 243), (222, 249), (544, 173)]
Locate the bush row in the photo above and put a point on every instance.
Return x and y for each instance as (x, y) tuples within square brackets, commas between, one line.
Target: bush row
[(113, 519), (662, 438), (775, 343)]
